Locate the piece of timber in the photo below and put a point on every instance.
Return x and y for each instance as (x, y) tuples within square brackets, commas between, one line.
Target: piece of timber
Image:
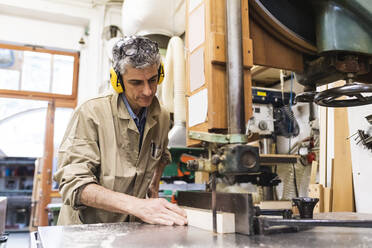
[(275, 205), (203, 218), (317, 191), (327, 195), (314, 170), (239, 204), (343, 192)]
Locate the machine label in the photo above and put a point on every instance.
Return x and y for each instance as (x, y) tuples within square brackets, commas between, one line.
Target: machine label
[(261, 93)]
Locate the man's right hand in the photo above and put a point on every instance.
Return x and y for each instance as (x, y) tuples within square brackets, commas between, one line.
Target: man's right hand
[(159, 211)]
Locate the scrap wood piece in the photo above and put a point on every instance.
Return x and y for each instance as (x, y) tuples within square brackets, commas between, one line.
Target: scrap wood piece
[(203, 218), (316, 191)]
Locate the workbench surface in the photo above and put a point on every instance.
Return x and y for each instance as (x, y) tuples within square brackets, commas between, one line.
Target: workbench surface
[(144, 235)]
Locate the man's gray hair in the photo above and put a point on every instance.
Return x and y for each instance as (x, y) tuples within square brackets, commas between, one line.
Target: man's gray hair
[(135, 51)]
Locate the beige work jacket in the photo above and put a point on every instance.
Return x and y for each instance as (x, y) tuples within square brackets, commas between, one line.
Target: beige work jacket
[(101, 145)]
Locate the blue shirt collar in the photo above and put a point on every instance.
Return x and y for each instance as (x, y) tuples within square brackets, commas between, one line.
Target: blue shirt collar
[(142, 113)]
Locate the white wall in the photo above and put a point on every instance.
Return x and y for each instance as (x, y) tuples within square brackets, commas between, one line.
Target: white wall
[(36, 32), (61, 25), (361, 159)]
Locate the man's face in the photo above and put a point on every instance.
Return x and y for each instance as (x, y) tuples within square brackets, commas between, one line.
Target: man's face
[(140, 86)]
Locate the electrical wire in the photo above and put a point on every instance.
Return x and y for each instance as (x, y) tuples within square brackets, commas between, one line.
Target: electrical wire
[(295, 179), (290, 138), (290, 108), (282, 84)]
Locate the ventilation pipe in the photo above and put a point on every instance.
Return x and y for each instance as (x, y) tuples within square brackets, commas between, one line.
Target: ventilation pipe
[(166, 17), (166, 94), (175, 85), (234, 67)]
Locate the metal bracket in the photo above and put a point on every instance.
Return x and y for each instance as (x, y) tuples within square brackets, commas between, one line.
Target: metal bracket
[(219, 138)]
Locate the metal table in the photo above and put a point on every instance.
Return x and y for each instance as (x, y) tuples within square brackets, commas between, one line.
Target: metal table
[(144, 235)]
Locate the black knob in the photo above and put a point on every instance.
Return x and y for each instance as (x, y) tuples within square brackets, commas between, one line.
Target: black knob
[(216, 159), (192, 165), (305, 206)]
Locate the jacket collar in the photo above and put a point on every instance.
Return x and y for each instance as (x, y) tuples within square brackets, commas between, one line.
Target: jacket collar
[(122, 112)]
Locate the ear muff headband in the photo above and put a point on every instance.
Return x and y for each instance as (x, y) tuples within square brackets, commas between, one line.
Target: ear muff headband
[(116, 80)]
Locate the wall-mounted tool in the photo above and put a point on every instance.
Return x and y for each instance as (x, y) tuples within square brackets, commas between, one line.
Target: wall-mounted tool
[(272, 114), (364, 137)]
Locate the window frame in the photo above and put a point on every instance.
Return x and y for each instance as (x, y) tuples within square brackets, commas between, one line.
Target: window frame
[(40, 217), (60, 100)]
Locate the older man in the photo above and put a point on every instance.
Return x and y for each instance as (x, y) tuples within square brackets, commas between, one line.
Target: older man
[(115, 147)]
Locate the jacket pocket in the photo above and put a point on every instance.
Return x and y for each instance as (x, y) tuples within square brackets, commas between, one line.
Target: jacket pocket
[(156, 150)]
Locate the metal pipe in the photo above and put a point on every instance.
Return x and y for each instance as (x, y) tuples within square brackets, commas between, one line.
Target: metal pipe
[(234, 67)]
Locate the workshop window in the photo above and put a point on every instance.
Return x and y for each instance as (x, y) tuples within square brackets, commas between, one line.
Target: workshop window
[(36, 71), (22, 127), (30, 78), (38, 92)]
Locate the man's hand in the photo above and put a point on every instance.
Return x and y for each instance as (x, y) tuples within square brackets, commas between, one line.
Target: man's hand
[(159, 211), (153, 211)]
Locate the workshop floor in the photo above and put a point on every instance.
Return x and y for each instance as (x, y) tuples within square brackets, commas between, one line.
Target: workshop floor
[(18, 240)]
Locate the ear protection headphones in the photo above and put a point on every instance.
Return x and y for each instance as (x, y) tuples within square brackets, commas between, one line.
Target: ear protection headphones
[(117, 81)]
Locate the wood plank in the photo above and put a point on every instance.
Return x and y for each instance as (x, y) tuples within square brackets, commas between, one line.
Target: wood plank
[(248, 95), (275, 205), (314, 170), (46, 175), (246, 37), (215, 75), (316, 191), (217, 98), (323, 141), (327, 192), (343, 192), (203, 219)]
